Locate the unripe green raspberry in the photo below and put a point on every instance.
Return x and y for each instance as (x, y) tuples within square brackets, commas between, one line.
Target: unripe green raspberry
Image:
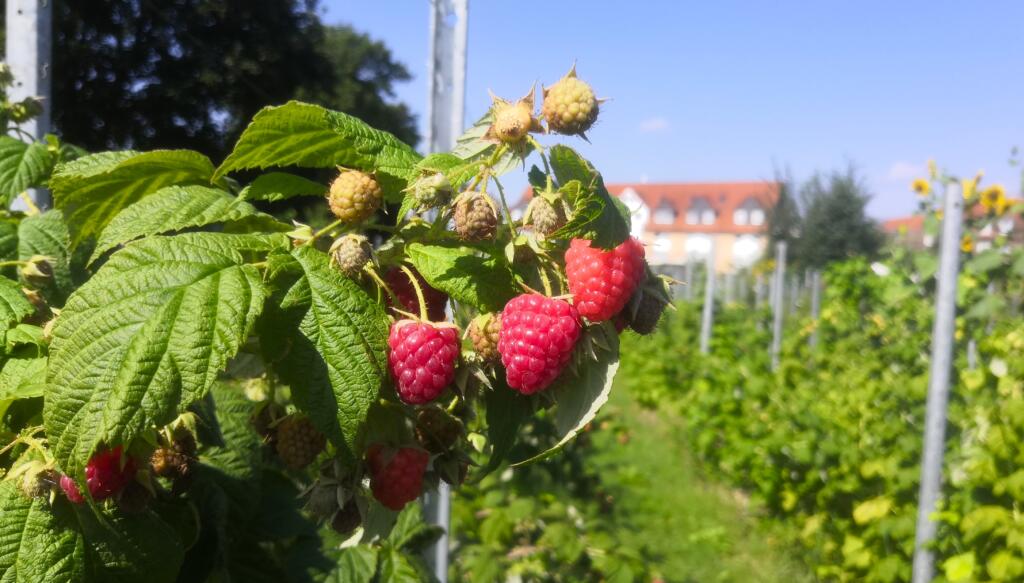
[(298, 441), (648, 313), (476, 217), (431, 191), (483, 334), (543, 216), (570, 106), (351, 253), (354, 196), (513, 121)]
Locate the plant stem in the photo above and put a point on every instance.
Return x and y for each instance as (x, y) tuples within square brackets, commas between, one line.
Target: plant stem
[(369, 270), (419, 292), (545, 281), (504, 206), (13, 263), (322, 232)]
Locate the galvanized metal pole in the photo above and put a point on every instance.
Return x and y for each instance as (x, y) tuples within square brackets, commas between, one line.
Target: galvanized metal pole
[(778, 301), (708, 313), (759, 291), (688, 290), (446, 86), (943, 330), (815, 306), (28, 50)]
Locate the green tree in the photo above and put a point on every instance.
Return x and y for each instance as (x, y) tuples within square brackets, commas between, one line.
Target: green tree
[(144, 74), (784, 216), (835, 225)]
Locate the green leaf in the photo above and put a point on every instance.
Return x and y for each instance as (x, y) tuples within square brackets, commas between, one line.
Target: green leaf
[(22, 378), (467, 275), (337, 360), (596, 214), (356, 564), (147, 335), (93, 189), (581, 396), (985, 261), (396, 567), (871, 510), (13, 304), (987, 307), (275, 186), (47, 235), (474, 147), (959, 567), (175, 208), (309, 136), (506, 411), (455, 169), (1003, 566), (37, 543), (22, 166)]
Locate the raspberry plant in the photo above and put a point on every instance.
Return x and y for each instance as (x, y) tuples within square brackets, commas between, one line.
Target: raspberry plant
[(216, 390)]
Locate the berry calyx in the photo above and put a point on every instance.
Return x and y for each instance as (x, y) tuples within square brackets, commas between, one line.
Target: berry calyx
[(513, 121), (422, 358), (602, 281), (537, 338), (476, 217), (351, 253), (105, 475), (354, 196), (396, 476), (176, 460), (431, 191), (299, 442), (401, 285), (544, 216), (484, 332), (570, 106)]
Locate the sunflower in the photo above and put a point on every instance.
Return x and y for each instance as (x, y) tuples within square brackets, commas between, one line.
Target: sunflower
[(993, 199), (921, 186), (967, 244)]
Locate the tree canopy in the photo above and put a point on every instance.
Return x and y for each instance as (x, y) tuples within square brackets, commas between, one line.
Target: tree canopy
[(188, 74)]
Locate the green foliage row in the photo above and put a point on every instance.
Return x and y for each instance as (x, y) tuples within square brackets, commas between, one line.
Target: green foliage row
[(831, 441)]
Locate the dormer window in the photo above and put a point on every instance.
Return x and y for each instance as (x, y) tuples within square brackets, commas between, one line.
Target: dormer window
[(665, 214), (749, 213), (700, 213)]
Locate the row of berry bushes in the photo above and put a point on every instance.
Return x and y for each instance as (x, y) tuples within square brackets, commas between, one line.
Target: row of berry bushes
[(830, 443)]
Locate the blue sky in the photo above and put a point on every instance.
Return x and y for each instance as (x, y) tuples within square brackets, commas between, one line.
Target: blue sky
[(730, 90)]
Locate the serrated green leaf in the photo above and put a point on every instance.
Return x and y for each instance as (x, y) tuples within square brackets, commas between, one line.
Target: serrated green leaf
[(275, 186), (337, 359), (397, 567), (455, 169), (985, 261), (93, 189), (356, 564), (597, 216), (175, 208), (581, 396), (37, 543), (8, 242), (22, 166), (468, 275), (13, 304), (871, 510), (47, 235), (147, 335), (506, 411), (234, 467), (22, 378), (309, 136), (474, 147), (959, 567)]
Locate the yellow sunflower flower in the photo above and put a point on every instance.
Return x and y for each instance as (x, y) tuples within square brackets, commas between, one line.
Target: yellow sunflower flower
[(967, 244), (993, 199), (921, 186)]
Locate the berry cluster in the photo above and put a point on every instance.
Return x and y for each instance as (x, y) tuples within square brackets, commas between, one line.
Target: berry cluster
[(107, 474)]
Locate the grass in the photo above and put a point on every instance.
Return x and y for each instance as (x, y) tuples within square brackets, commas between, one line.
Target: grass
[(696, 530)]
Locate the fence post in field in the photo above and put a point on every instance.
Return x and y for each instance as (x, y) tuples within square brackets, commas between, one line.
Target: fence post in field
[(778, 301), (938, 385), (730, 295), (759, 291), (708, 313), (688, 290), (815, 306), (28, 53), (446, 87)]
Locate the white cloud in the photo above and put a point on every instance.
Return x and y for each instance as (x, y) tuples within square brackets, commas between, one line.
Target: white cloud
[(905, 171), (654, 124)]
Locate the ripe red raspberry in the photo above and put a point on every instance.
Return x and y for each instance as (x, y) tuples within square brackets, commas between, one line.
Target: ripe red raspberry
[(396, 476), (537, 336), (399, 283), (601, 281), (422, 359), (104, 476)]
